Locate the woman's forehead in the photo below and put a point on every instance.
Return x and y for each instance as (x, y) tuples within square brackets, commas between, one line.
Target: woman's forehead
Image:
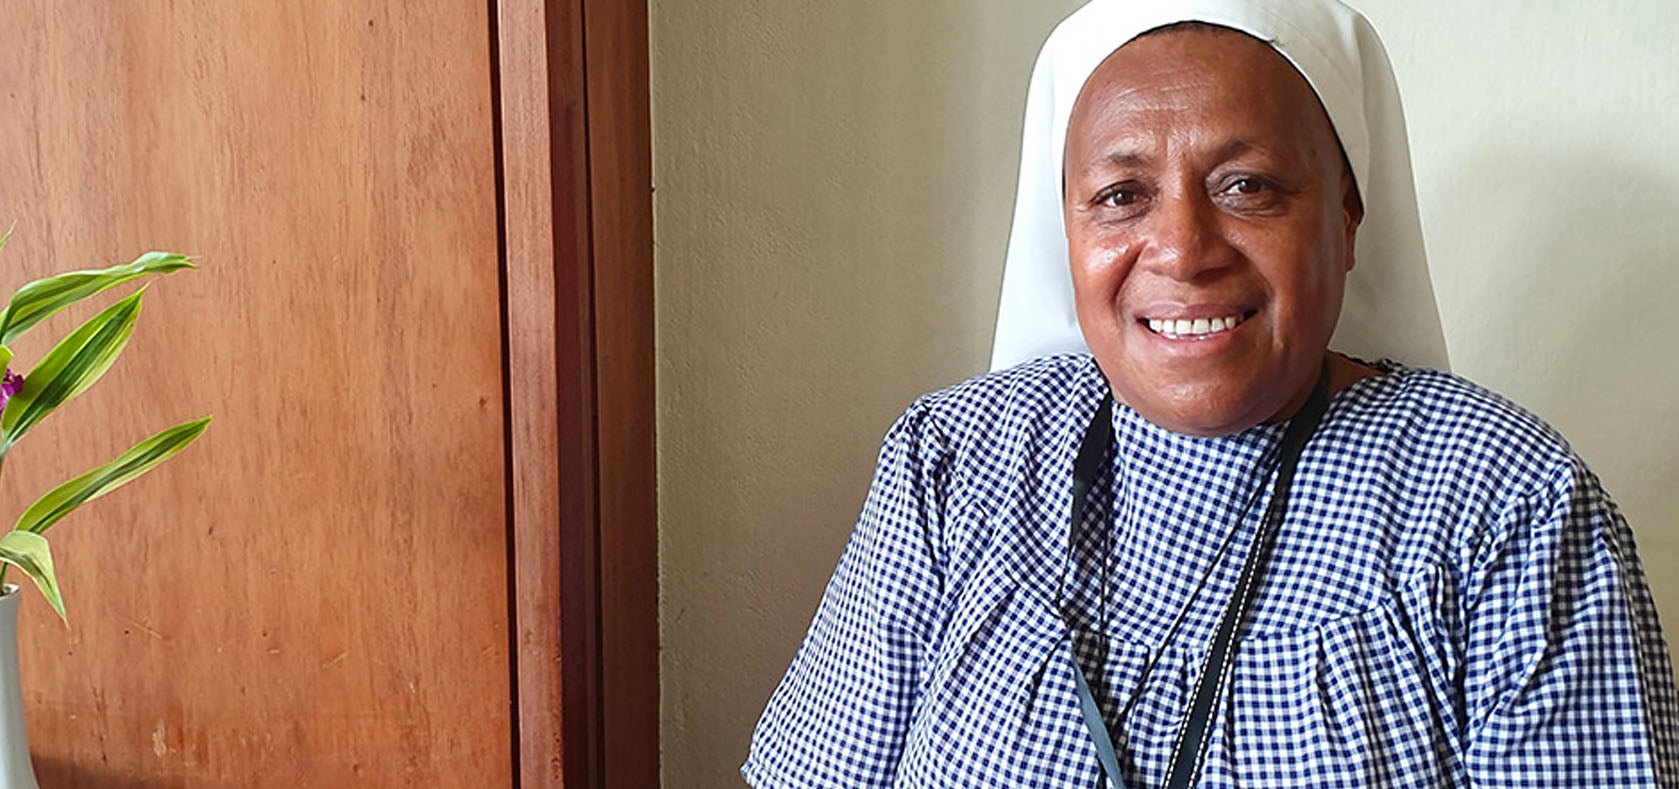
[(1205, 79)]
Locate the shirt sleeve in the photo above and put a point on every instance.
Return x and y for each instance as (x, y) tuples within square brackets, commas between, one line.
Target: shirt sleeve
[(840, 715), (1567, 681)]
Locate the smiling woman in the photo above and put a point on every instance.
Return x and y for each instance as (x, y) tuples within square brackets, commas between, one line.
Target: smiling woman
[(1187, 202), (1211, 551)]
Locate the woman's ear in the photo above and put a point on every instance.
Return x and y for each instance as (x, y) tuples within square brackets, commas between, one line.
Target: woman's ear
[(1352, 207)]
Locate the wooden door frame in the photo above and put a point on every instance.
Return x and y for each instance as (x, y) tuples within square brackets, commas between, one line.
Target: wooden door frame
[(574, 162)]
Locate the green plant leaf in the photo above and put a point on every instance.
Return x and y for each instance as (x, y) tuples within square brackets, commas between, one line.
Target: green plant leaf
[(28, 551), (67, 370), (38, 300), (139, 459), (5, 357)]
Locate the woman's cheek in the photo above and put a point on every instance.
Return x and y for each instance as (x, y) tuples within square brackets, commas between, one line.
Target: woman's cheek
[(1107, 268)]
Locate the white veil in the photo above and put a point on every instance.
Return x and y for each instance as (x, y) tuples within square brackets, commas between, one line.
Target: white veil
[(1389, 308)]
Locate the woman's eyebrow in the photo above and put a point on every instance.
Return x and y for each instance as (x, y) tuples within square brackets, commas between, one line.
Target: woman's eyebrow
[(1237, 146), (1118, 160), (1126, 158), (1278, 152)]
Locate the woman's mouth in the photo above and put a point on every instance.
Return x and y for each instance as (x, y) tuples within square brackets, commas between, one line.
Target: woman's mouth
[(1193, 328)]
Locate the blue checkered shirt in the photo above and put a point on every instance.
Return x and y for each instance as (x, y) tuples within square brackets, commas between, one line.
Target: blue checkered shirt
[(1452, 601)]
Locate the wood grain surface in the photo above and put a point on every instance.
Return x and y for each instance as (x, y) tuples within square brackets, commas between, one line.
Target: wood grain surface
[(316, 593), (621, 203), (578, 212), (550, 389)]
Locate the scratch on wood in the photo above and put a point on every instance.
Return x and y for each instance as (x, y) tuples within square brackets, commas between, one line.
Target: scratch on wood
[(141, 626)]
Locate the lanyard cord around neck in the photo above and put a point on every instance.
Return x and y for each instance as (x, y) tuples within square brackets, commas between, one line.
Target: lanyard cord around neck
[(1193, 733)]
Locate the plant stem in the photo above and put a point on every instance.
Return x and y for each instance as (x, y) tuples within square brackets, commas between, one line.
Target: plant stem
[(3, 567)]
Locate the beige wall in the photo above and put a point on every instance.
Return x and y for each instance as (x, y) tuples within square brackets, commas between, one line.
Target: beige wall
[(833, 192)]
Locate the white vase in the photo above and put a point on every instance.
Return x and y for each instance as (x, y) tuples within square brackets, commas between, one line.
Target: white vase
[(15, 771)]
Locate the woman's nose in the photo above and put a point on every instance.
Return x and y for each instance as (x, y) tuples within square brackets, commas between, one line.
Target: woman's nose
[(1183, 239)]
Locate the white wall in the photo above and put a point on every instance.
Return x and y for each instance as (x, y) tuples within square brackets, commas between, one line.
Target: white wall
[(1546, 145), (833, 191)]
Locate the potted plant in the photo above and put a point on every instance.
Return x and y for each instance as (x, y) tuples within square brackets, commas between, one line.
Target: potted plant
[(74, 364)]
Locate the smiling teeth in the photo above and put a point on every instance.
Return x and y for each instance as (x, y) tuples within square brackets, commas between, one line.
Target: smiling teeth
[(1193, 328)]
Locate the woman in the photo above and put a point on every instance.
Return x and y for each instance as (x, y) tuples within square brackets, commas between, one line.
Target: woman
[(1212, 552)]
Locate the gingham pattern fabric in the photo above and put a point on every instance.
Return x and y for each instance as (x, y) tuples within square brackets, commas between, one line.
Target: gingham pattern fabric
[(1453, 601)]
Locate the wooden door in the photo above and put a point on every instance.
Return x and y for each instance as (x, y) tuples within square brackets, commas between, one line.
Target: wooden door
[(578, 214), (415, 547), (316, 594)]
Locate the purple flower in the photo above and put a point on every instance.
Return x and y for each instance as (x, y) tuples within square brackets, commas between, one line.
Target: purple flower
[(9, 385)]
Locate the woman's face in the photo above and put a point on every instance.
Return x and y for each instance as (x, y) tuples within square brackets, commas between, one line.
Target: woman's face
[(1210, 222)]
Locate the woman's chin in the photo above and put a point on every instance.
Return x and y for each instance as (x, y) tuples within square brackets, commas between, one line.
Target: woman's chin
[(1206, 411), (1201, 424), (1213, 397)]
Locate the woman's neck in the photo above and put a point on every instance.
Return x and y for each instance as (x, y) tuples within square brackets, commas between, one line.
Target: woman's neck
[(1344, 372)]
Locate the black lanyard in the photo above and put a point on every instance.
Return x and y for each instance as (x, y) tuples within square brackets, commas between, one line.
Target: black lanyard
[(1194, 731)]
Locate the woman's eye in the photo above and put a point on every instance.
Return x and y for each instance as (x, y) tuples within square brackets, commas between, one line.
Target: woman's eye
[(1252, 193), (1118, 197)]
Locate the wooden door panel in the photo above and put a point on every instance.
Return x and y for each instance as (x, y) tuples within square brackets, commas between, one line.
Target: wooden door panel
[(316, 593)]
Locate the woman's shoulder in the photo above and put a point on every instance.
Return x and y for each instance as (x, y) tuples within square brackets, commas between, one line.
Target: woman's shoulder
[(1451, 414), (1445, 441), (989, 409)]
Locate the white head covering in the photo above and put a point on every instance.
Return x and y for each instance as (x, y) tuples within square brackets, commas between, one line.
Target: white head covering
[(1389, 307)]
